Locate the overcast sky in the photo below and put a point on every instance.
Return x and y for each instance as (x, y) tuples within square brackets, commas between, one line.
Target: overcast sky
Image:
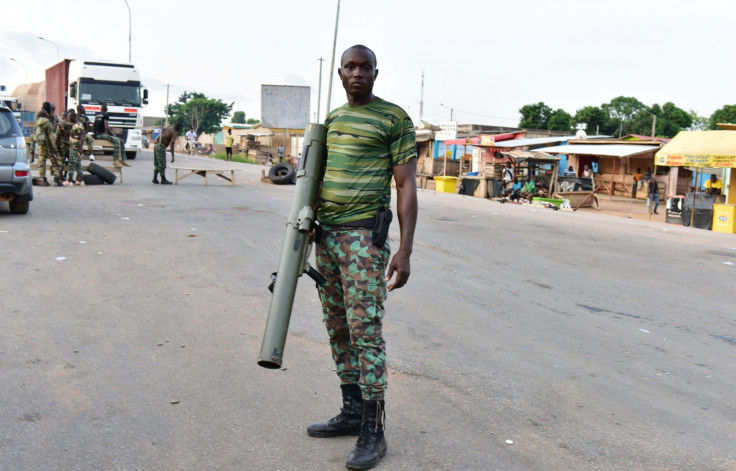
[(484, 59)]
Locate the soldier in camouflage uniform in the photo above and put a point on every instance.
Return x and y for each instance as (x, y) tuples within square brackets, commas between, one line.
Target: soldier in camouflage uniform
[(103, 132), (76, 136), (369, 142), (167, 139), (88, 139), (44, 137), (63, 128)]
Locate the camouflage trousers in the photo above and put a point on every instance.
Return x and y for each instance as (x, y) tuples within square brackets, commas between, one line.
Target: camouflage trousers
[(159, 159), (75, 164), (352, 305), (63, 157), (117, 145), (43, 154)]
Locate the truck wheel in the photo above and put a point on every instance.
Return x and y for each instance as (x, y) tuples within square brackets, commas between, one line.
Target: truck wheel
[(19, 207), (282, 174), (90, 179), (130, 154), (106, 175)]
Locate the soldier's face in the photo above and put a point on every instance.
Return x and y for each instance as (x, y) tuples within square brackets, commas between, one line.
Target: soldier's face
[(358, 72)]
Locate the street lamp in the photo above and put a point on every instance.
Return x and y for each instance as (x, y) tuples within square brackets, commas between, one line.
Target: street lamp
[(452, 111), (24, 68), (53, 44), (130, 31)]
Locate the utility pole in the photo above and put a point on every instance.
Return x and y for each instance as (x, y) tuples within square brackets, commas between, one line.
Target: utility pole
[(319, 92), (421, 100), (654, 125), (332, 64)]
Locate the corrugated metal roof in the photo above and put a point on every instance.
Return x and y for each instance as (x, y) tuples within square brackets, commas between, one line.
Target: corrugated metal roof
[(531, 141), (606, 150), (520, 155)]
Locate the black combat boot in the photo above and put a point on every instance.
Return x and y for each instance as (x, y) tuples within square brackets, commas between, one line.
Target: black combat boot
[(347, 422), (371, 445), (155, 178), (164, 181)]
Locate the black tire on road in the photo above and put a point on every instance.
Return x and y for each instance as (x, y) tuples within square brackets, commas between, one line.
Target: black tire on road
[(90, 179), (19, 207), (282, 174), (131, 154), (106, 175)]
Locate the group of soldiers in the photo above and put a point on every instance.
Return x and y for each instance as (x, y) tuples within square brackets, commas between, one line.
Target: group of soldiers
[(60, 140)]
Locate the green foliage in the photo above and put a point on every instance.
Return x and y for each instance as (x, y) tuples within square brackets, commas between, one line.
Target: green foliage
[(727, 114), (253, 121), (238, 117), (535, 116), (194, 110), (699, 123), (594, 118), (560, 120), (622, 116), (236, 158)]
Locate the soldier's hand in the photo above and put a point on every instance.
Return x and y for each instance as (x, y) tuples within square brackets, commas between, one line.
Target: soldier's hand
[(399, 265)]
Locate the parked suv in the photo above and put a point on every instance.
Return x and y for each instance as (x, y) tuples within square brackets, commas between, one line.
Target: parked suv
[(16, 185)]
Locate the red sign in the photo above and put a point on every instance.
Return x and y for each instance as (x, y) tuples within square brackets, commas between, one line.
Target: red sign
[(130, 110), (92, 108)]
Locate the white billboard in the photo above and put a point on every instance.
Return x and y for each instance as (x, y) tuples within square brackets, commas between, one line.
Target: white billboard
[(448, 130), (285, 106)]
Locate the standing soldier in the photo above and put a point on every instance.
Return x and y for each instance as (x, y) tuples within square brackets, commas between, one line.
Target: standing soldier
[(88, 139), (166, 139), (63, 129), (43, 134), (76, 136), (369, 142)]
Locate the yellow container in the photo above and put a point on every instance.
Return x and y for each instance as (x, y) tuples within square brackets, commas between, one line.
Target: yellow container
[(723, 218), (445, 184)]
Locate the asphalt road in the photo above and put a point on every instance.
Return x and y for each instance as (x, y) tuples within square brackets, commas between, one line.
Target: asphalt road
[(526, 339)]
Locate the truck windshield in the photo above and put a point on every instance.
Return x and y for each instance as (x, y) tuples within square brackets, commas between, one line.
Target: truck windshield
[(111, 93)]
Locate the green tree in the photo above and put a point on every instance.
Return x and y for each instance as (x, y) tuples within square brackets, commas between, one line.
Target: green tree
[(621, 111), (727, 114), (594, 118), (253, 121), (699, 123), (238, 117), (194, 110), (560, 120), (535, 116)]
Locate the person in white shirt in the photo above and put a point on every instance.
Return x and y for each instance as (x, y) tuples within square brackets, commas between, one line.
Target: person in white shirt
[(191, 139)]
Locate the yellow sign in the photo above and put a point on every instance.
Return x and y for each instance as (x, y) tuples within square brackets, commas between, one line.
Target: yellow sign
[(692, 160), (486, 140)]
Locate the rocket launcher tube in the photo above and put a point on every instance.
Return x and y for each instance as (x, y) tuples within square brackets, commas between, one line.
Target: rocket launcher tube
[(294, 253)]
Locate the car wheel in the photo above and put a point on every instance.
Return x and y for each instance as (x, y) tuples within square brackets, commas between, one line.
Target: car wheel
[(130, 155), (282, 174), (18, 207), (106, 175)]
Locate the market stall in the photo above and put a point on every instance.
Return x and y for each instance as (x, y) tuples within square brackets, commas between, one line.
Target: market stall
[(706, 149)]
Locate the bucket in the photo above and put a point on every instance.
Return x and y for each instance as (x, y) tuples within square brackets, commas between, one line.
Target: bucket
[(445, 184)]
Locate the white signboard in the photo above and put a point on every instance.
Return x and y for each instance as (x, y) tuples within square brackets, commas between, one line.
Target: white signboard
[(284, 106), (448, 130)]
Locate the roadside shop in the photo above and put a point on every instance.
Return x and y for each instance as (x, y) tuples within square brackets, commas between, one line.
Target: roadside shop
[(703, 150)]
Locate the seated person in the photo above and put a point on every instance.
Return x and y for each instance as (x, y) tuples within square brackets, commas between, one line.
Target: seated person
[(529, 189), (513, 193), (713, 186), (570, 172)]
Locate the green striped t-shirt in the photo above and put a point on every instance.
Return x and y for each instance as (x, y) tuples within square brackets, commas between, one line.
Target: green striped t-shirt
[(364, 143)]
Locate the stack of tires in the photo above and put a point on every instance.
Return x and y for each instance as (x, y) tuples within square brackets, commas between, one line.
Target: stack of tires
[(98, 175)]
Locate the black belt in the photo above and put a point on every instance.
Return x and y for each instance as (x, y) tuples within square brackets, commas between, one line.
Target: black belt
[(352, 225)]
